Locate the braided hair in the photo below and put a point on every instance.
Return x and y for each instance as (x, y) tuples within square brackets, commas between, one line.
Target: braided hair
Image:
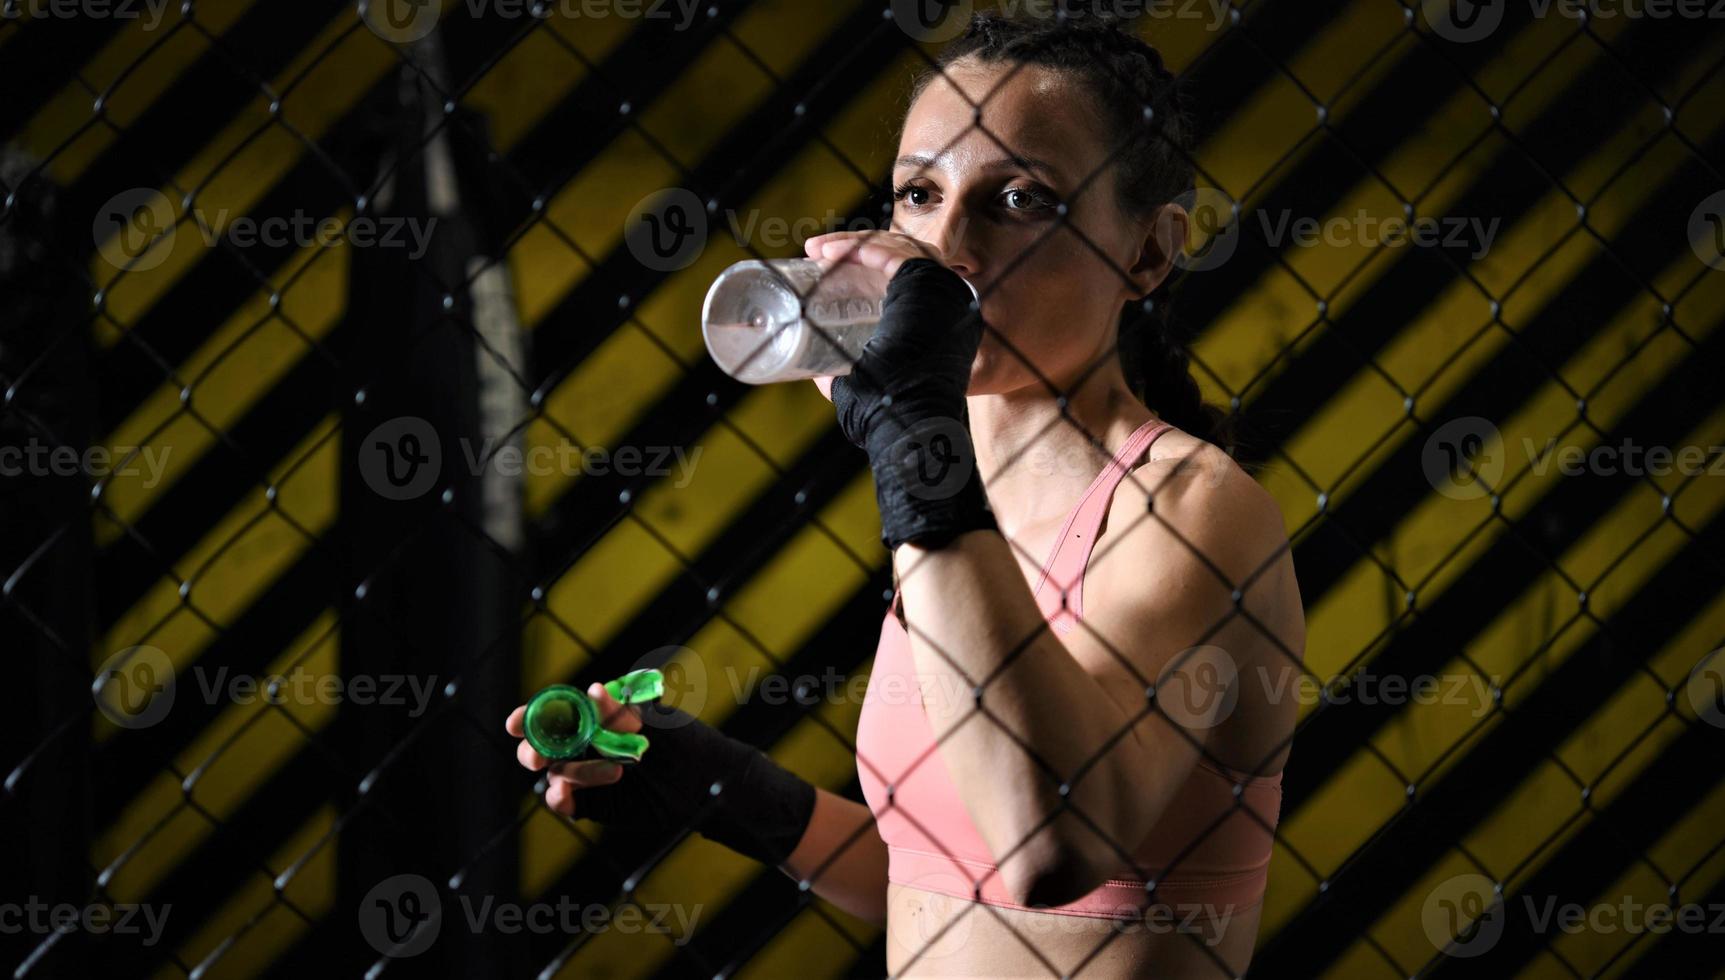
[(1142, 101)]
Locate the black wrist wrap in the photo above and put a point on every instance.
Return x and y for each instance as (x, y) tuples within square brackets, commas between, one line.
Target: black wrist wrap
[(911, 419), (695, 776)]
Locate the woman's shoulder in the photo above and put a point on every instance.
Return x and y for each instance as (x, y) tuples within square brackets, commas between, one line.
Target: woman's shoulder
[(1192, 490)]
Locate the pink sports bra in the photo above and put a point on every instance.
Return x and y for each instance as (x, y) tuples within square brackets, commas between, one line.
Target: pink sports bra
[(1213, 850)]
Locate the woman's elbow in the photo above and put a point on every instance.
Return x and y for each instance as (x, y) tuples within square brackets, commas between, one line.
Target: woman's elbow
[(1049, 871)]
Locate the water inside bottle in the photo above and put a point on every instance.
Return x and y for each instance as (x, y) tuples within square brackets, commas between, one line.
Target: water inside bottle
[(756, 330), (753, 325)]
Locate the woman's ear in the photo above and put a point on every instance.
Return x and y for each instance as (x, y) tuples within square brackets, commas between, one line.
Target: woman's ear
[(1164, 240)]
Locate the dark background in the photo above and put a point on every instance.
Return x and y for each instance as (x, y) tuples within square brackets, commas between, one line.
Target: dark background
[(1387, 394)]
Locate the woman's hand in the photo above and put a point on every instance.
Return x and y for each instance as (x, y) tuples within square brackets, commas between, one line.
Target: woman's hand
[(881, 250), (904, 401), (567, 777), (691, 777)]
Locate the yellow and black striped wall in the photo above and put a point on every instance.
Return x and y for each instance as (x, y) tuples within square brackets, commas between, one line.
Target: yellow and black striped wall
[(1565, 616)]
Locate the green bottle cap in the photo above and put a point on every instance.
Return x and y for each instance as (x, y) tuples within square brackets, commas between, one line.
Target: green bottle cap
[(562, 722)]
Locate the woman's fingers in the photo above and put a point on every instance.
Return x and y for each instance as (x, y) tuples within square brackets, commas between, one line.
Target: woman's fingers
[(529, 759), (560, 796), (612, 715), (586, 774), (514, 724), (565, 778), (883, 250)]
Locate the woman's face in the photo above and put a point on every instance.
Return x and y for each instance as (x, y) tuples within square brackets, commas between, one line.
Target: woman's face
[(991, 206)]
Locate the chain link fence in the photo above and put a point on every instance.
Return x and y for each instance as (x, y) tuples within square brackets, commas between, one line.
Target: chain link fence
[(354, 390)]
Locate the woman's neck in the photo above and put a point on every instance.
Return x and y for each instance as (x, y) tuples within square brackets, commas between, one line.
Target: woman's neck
[(1036, 460)]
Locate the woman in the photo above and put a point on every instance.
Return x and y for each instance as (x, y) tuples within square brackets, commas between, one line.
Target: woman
[(1060, 724)]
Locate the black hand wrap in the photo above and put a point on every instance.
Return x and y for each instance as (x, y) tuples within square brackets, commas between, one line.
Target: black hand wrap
[(759, 810), (904, 404)]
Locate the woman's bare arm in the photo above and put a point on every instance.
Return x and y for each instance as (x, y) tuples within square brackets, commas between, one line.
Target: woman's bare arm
[(1062, 760), (844, 857)]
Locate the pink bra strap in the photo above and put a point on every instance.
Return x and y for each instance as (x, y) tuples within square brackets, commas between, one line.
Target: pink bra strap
[(1066, 565)]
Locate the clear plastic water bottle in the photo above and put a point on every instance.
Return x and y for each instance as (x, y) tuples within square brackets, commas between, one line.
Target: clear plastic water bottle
[(791, 319)]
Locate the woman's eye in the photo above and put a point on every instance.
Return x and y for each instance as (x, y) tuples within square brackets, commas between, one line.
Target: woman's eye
[(904, 192), (1026, 199)]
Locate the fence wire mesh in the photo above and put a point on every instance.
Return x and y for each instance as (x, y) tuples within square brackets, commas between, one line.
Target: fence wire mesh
[(354, 389)]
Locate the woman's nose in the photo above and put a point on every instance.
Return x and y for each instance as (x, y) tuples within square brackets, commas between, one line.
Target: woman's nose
[(955, 245)]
